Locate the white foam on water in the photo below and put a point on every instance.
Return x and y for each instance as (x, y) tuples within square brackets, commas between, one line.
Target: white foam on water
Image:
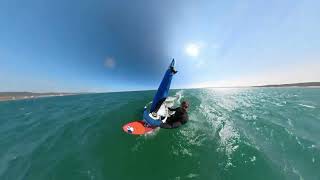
[(312, 146), (87, 173), (229, 163), (253, 158), (290, 122), (191, 175), (185, 151), (278, 104), (181, 150), (192, 135), (247, 116), (295, 171), (229, 138), (308, 106), (152, 133), (193, 139), (28, 113), (299, 142), (289, 132), (143, 138), (185, 147), (216, 107)]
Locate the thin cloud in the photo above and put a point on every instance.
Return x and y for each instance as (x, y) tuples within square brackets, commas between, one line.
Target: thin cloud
[(110, 63)]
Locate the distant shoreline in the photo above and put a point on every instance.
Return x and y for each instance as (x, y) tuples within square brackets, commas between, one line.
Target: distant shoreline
[(293, 85), (11, 96), (305, 84)]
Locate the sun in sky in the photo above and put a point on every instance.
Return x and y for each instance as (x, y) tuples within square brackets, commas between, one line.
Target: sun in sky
[(192, 49)]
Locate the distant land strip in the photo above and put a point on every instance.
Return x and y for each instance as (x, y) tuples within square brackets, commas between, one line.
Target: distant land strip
[(5, 96), (304, 84)]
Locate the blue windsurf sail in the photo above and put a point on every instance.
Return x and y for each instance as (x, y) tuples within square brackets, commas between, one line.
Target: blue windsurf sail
[(163, 90), (159, 98)]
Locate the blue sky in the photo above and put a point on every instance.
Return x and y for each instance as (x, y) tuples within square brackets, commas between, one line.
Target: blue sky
[(101, 45)]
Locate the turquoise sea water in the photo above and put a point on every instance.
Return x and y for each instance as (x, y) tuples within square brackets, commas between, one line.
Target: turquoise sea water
[(258, 133)]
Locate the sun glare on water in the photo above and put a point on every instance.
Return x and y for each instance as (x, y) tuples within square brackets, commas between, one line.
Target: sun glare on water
[(192, 50)]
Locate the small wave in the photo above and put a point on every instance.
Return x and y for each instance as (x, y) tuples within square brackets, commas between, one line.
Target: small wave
[(152, 134), (299, 142), (308, 106), (295, 171), (228, 138), (312, 146), (136, 147), (144, 138), (247, 116), (28, 113), (278, 104), (179, 96), (229, 163), (253, 158), (186, 152), (290, 122), (181, 151), (215, 110), (87, 173), (191, 175)]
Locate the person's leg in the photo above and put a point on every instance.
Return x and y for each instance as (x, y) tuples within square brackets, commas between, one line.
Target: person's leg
[(170, 120), (166, 125), (176, 124), (170, 126)]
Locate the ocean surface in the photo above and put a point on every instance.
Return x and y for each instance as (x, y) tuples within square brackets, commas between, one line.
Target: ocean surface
[(254, 133)]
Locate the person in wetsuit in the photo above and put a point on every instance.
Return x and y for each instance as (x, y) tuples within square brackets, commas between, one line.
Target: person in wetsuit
[(179, 118)]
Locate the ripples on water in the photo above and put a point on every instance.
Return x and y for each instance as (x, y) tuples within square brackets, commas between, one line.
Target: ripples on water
[(257, 133), (267, 128)]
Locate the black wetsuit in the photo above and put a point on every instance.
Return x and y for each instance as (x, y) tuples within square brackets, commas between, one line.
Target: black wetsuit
[(179, 118)]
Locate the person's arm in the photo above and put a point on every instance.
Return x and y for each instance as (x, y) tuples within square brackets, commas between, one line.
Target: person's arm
[(173, 109)]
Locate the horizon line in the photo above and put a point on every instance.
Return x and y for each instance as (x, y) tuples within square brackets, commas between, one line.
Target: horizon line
[(205, 87)]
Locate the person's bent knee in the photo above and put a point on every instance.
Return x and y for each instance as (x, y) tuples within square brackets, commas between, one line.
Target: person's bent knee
[(165, 126), (176, 124)]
